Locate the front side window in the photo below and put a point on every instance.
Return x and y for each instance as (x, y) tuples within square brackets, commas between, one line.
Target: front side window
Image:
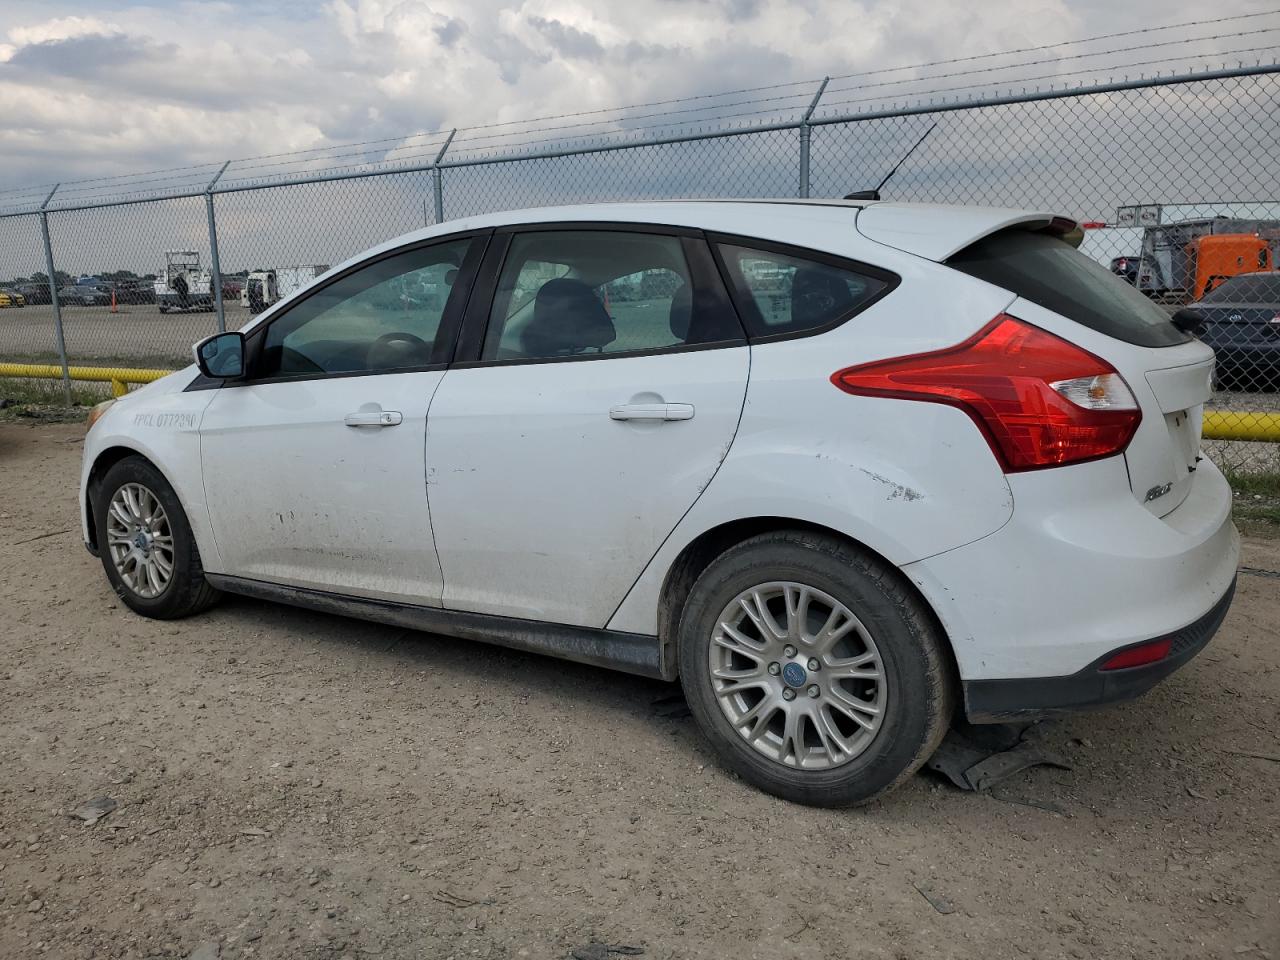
[(783, 294), (381, 318), (583, 293)]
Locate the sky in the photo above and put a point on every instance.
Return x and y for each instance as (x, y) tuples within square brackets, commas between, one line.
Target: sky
[(91, 89)]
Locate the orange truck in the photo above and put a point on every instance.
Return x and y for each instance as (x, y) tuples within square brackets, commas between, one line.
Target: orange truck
[(1218, 257)]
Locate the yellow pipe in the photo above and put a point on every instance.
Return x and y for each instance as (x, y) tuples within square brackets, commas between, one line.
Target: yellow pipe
[(1218, 424), (1237, 425), (118, 377)]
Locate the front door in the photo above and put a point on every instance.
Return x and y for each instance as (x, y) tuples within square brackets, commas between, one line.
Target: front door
[(606, 393), (314, 467)]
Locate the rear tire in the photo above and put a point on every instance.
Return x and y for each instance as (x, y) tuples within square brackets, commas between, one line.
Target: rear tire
[(146, 545), (850, 718)]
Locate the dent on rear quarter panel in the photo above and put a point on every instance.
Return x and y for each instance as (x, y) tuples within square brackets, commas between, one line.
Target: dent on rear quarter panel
[(907, 479)]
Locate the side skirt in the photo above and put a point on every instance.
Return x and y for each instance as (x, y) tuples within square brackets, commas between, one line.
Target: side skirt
[(629, 652)]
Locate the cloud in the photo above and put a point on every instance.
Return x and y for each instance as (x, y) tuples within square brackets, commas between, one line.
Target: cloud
[(115, 86), (568, 40)]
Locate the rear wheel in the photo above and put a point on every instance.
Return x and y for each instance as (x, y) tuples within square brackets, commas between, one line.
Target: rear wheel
[(146, 545), (814, 670)]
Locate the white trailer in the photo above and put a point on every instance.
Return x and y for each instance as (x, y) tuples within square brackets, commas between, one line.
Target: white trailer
[(262, 288)]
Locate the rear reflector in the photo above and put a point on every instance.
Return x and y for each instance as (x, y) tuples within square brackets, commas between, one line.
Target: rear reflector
[(1039, 400), (1140, 655)]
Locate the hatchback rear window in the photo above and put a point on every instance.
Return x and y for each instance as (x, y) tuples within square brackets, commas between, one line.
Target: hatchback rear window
[(1049, 271)]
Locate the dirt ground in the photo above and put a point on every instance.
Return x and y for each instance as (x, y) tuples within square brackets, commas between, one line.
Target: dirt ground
[(291, 784)]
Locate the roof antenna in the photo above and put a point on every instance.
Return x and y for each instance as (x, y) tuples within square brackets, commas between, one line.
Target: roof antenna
[(875, 194)]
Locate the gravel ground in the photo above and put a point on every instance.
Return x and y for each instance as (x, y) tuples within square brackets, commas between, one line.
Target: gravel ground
[(297, 785)]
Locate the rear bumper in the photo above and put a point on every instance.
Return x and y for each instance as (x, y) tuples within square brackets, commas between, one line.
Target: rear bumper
[(998, 701), (1080, 571)]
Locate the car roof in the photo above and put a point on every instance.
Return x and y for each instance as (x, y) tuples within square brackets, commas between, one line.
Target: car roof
[(930, 230)]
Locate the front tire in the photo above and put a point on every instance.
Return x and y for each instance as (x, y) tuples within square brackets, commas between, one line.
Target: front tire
[(815, 671), (146, 545)]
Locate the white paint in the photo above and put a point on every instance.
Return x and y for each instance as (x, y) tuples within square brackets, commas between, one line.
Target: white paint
[(545, 506), (296, 496)]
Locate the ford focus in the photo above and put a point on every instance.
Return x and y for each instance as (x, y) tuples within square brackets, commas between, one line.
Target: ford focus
[(844, 470)]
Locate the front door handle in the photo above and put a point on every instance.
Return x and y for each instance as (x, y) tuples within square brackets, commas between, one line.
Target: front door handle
[(373, 418), (651, 411)]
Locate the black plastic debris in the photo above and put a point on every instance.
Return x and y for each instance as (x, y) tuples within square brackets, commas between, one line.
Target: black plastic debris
[(980, 766)]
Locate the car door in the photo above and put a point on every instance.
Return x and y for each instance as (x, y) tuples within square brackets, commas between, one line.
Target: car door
[(600, 379), (314, 466)]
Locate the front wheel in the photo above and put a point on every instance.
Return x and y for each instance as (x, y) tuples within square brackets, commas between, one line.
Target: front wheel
[(814, 670), (146, 545)]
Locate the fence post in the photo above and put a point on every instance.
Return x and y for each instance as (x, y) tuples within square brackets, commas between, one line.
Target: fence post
[(805, 131), (53, 296), (437, 180), (215, 276)]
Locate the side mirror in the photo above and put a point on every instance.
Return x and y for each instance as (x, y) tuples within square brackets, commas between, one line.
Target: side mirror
[(1188, 320), (221, 357)]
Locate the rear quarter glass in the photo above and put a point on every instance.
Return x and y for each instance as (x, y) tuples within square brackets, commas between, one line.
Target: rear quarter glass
[(1049, 271)]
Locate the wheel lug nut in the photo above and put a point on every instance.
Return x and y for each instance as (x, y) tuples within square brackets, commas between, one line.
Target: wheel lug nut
[(788, 694), (814, 663), (813, 691), (789, 650), (774, 669)]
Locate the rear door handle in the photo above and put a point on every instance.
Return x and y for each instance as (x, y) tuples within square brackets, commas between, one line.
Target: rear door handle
[(651, 411), (373, 418)]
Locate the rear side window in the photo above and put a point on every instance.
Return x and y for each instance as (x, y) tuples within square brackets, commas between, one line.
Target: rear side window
[(587, 293), (779, 293), (1049, 271)]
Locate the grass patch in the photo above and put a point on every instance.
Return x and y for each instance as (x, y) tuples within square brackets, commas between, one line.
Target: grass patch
[(1256, 502), (44, 400), (1265, 485)]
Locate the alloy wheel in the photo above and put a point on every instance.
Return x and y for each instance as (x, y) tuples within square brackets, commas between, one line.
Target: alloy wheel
[(140, 540), (798, 675)]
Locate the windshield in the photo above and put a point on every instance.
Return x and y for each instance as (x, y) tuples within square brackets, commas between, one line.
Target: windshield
[(1049, 271)]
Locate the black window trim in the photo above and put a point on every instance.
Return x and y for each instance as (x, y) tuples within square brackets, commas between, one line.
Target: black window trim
[(746, 304), (446, 336), (702, 271)]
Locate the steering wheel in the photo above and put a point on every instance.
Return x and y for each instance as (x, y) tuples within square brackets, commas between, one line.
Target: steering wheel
[(398, 350)]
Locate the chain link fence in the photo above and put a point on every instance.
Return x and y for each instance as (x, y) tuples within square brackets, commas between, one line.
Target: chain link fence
[(1178, 180)]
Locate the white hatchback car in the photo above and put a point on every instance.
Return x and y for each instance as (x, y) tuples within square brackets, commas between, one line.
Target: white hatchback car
[(844, 469)]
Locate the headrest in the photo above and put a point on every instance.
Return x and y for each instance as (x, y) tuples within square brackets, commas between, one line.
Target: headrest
[(567, 317)]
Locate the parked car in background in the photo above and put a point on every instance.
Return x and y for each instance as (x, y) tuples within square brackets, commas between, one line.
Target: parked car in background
[(845, 470), (232, 289), (1126, 267), (34, 292), (1240, 320), (135, 292), (11, 297), (86, 294)]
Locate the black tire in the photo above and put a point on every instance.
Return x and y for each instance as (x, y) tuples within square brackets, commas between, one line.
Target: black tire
[(187, 591), (916, 667)]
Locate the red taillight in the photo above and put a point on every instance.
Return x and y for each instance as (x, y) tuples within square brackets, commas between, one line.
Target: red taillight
[(1140, 655), (1039, 400)]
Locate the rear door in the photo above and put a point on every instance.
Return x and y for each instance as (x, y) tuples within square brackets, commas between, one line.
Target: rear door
[(598, 388)]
